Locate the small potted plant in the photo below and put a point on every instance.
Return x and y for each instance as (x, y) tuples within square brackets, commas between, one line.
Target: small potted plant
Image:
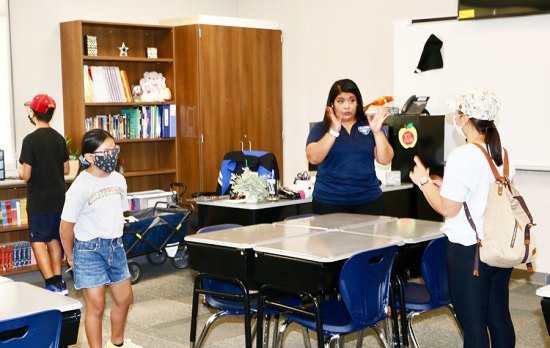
[(251, 185), (121, 163), (73, 157)]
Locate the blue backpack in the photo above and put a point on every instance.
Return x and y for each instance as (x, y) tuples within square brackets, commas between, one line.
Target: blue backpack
[(234, 162)]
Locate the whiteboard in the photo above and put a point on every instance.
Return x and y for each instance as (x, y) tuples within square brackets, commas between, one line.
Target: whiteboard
[(510, 56)]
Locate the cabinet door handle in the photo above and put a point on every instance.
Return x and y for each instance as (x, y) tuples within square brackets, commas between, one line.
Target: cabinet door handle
[(242, 145), (249, 145)]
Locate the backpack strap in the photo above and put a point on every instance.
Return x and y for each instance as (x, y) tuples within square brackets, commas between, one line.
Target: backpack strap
[(478, 241), (501, 180)]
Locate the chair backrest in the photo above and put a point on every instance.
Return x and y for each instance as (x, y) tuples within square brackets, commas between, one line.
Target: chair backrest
[(233, 162), (434, 271), (37, 330), (211, 284), (364, 284)]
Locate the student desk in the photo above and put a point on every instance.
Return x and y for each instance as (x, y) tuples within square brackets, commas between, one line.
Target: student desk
[(19, 299), (212, 212), (337, 221), (230, 252)]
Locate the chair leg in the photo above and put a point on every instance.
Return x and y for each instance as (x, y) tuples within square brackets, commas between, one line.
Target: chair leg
[(335, 339), (451, 308), (305, 336), (388, 331), (207, 326), (360, 339), (381, 335), (410, 317), (281, 333), (266, 324), (275, 330)]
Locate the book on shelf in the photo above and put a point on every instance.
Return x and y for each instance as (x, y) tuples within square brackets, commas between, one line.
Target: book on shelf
[(155, 121), (15, 255), (13, 212), (106, 84)]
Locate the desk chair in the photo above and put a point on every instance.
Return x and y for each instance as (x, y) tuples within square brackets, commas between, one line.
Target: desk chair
[(434, 292), (364, 286), (37, 330), (230, 297)]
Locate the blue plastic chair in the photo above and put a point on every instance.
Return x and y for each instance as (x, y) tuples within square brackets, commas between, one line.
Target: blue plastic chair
[(37, 330), (434, 292), (364, 286), (230, 297)]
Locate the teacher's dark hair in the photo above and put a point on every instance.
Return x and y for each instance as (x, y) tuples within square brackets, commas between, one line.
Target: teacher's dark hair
[(348, 86), (491, 137)]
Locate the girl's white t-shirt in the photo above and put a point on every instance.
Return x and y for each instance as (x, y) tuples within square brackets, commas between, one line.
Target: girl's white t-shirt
[(96, 206), (467, 179)]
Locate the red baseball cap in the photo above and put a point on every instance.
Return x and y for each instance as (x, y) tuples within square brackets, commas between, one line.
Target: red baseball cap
[(41, 103)]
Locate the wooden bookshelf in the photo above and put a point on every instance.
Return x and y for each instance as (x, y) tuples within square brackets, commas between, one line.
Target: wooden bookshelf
[(149, 163)]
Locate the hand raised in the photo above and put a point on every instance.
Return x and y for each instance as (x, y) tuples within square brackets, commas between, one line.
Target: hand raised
[(335, 122), (376, 121)]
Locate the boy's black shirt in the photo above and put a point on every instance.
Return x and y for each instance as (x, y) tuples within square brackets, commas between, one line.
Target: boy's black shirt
[(46, 152)]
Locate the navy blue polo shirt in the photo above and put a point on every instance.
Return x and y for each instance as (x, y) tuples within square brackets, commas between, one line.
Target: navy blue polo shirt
[(347, 176)]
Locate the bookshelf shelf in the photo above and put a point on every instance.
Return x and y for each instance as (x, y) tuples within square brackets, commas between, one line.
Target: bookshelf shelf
[(7, 229), (128, 104), (150, 172), (126, 59), (150, 163), (19, 270), (141, 140)]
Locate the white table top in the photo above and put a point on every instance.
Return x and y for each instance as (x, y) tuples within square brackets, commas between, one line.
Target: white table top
[(544, 291), (328, 246), (241, 204), (409, 231), (4, 279), (247, 237), (18, 299), (337, 221)]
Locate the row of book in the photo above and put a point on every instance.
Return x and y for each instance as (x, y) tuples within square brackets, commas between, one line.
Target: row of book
[(13, 212), (16, 254), (157, 121), (106, 84)]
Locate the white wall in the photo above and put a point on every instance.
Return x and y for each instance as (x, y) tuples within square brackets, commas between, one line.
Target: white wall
[(36, 51), (323, 41)]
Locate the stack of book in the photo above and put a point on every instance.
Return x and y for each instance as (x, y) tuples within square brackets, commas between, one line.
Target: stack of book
[(106, 84), (157, 121), (13, 212), (15, 255)]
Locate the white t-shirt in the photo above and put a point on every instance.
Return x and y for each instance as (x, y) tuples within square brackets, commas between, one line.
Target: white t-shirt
[(467, 179), (96, 205)]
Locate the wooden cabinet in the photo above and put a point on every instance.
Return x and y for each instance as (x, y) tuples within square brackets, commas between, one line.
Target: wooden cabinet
[(149, 163), (230, 97)]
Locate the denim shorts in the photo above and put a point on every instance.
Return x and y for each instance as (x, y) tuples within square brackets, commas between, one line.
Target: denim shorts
[(99, 262)]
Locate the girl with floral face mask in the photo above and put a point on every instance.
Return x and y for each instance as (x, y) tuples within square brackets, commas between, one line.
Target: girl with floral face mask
[(91, 231)]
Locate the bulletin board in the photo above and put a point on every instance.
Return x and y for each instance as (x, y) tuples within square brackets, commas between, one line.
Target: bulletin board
[(510, 56)]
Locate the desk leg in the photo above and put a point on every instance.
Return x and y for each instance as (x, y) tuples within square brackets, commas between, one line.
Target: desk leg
[(194, 311), (404, 327), (395, 321)]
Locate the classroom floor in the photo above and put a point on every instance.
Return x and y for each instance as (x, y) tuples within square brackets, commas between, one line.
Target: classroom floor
[(160, 316)]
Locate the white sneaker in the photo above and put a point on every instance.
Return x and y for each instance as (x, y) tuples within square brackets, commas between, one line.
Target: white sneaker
[(129, 344)]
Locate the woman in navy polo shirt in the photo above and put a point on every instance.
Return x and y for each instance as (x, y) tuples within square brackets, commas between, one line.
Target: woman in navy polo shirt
[(344, 146)]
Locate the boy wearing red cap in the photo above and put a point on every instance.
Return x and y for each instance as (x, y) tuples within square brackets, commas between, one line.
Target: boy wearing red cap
[(44, 162)]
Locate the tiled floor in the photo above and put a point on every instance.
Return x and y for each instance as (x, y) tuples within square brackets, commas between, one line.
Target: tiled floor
[(160, 316)]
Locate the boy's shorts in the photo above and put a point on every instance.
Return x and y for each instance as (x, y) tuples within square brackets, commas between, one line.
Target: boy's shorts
[(99, 262), (44, 227)]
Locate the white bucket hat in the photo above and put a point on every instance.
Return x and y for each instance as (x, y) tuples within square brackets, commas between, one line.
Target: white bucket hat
[(476, 103)]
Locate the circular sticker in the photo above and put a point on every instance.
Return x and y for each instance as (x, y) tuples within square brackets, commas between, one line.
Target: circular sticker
[(408, 136)]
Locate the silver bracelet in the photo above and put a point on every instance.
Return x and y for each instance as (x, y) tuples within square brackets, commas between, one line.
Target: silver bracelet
[(333, 132)]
